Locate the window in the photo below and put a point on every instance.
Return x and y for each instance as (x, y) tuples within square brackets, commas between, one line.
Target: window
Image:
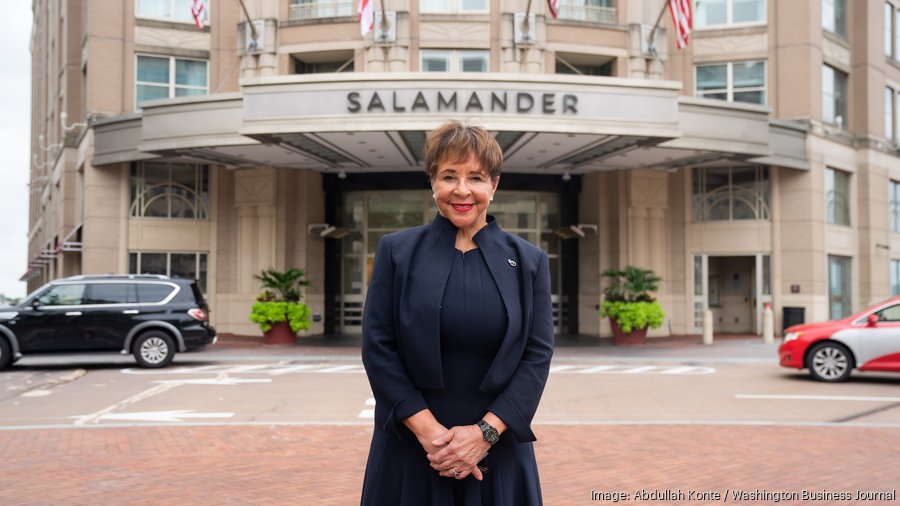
[(303, 67), (889, 314), (165, 77), (895, 277), (834, 16), (890, 30), (112, 293), (730, 12), (312, 9), (63, 295), (839, 287), (731, 193), (890, 114), (150, 293), (837, 197), (176, 265), (894, 205), (427, 6), (169, 190), (583, 66), (445, 60), (834, 96), (594, 11), (733, 81), (176, 10)]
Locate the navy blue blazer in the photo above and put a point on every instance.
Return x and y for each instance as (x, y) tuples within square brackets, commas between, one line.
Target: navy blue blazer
[(401, 336)]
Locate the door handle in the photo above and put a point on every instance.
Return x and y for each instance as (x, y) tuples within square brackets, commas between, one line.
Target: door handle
[(73, 313), (130, 311)]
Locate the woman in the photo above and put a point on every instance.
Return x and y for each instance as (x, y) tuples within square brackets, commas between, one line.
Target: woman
[(457, 341)]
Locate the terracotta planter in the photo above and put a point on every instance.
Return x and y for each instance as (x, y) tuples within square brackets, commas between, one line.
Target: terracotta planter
[(635, 337), (280, 333)]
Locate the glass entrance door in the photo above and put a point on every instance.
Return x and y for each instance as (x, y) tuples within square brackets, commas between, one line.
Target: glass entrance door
[(369, 215)]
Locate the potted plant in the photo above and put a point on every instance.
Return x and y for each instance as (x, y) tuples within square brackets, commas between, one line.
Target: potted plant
[(629, 304), (279, 310)]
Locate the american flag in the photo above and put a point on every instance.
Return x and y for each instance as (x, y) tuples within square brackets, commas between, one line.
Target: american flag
[(197, 12), (683, 19), (366, 16), (554, 7)]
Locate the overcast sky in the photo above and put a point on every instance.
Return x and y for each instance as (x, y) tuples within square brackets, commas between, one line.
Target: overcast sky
[(15, 142)]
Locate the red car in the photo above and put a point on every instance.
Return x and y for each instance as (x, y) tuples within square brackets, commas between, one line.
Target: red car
[(867, 341)]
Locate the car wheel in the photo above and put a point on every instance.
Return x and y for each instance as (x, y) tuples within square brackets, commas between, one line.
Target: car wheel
[(830, 361), (5, 354), (154, 349)]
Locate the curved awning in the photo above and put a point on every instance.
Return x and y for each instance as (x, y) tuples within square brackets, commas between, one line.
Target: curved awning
[(378, 122)]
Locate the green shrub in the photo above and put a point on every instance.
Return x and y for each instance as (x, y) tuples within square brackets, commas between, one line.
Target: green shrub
[(628, 299), (265, 313), (633, 315), (281, 300)]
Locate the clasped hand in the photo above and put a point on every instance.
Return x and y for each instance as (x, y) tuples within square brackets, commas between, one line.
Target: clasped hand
[(456, 453)]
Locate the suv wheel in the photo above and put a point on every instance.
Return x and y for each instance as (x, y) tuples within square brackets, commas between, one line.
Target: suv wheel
[(830, 361), (5, 354), (154, 349)]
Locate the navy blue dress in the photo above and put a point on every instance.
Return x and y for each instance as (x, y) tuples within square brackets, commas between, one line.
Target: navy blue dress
[(472, 325)]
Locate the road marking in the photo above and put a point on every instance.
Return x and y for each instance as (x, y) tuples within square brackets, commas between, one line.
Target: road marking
[(592, 370), (640, 370), (95, 417), (161, 416), (280, 369), (819, 398), (631, 369), (215, 381), (37, 393), (368, 413)]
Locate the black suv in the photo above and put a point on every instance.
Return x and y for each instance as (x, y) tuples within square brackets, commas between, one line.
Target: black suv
[(145, 315)]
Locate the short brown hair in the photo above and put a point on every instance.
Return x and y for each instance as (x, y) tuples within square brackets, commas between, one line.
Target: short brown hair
[(456, 142)]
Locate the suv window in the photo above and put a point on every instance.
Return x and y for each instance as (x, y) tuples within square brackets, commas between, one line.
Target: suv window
[(63, 295), (153, 292), (112, 293)]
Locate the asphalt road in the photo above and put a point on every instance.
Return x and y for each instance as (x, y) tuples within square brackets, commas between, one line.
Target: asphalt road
[(217, 388)]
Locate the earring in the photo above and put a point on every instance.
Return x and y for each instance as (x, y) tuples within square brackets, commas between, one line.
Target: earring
[(434, 195), (492, 198)]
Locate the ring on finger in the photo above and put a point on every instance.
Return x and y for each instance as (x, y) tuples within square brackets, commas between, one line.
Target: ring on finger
[(455, 473)]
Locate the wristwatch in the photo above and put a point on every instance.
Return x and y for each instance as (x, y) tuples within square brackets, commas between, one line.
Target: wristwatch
[(488, 432)]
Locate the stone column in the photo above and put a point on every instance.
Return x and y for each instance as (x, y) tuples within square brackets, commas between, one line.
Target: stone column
[(647, 206)]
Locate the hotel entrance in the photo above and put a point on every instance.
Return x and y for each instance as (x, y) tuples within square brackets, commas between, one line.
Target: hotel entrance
[(367, 215)]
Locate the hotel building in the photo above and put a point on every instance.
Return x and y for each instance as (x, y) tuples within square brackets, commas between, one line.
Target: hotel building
[(758, 165)]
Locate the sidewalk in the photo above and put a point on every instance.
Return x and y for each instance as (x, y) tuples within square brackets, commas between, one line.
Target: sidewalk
[(324, 465), (725, 348)]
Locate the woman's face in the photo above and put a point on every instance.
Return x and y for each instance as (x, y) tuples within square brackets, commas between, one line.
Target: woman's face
[(463, 191)]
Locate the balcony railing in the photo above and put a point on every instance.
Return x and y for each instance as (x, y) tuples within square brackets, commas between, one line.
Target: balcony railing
[(590, 13), (314, 10)]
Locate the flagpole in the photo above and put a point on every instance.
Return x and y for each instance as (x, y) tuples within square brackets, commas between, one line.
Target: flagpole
[(652, 37), (384, 20), (526, 26), (253, 33)]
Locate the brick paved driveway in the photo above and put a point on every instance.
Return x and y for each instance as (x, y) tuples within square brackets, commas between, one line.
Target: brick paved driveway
[(319, 465)]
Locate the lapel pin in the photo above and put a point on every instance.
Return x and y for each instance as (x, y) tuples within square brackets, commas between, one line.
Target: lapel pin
[(511, 262)]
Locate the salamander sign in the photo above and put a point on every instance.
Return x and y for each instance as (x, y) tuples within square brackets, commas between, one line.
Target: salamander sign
[(475, 101)]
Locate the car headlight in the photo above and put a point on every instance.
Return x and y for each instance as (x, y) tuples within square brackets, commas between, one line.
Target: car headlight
[(8, 315), (790, 336)]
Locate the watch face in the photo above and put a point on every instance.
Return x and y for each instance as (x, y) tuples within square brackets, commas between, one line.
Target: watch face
[(489, 433)]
